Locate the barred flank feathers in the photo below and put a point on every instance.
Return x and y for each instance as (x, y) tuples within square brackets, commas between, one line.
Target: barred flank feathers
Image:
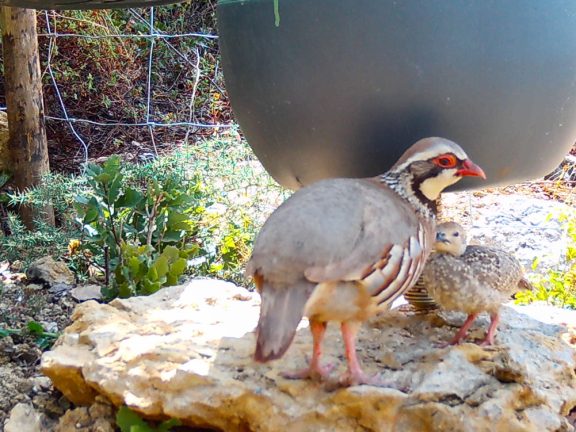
[(418, 297)]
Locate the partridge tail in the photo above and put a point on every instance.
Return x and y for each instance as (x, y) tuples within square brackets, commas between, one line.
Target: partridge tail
[(280, 312)]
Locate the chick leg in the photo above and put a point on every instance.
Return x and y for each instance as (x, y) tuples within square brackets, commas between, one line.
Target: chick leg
[(315, 370), (494, 320), (464, 329)]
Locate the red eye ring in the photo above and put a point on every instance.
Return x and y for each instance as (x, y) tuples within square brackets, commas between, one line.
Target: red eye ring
[(446, 161)]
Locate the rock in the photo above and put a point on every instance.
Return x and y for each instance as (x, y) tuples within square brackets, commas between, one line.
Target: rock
[(60, 288), (50, 272), (13, 382), (40, 383), (97, 418), (49, 326), (186, 352), (24, 417), (87, 292), (34, 287), (26, 353), (517, 223)]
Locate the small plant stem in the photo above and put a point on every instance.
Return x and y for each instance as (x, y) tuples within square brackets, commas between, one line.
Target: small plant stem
[(151, 217), (106, 266)]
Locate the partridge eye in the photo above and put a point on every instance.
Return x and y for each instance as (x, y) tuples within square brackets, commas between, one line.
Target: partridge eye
[(456, 234), (446, 161)]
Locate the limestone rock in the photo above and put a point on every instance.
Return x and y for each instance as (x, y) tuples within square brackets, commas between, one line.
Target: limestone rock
[(51, 272), (24, 418), (520, 224), (99, 417), (87, 292), (186, 352)]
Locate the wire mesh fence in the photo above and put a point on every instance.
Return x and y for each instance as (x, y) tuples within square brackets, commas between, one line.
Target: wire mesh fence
[(134, 81)]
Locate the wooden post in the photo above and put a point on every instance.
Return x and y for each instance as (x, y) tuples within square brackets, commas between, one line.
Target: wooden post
[(27, 144)]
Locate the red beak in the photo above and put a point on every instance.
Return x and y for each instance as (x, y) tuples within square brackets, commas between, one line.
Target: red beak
[(469, 168)]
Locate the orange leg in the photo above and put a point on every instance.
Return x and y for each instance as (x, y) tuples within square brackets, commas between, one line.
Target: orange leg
[(354, 375), (464, 329), (315, 370), (494, 320)]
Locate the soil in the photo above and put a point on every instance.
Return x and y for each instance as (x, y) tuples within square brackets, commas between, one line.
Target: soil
[(21, 351)]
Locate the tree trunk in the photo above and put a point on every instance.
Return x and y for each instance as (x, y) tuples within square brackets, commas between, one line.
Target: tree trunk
[(27, 144)]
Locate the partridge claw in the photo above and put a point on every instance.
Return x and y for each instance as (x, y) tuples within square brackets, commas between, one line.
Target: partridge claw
[(317, 373)]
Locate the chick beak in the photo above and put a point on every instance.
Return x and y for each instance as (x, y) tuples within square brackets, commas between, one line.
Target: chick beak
[(469, 168), (441, 237)]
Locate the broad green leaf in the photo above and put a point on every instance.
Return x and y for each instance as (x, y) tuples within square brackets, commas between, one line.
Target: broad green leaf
[(112, 164), (35, 327), (130, 198), (151, 287), (172, 279), (91, 215), (171, 253), (127, 420), (134, 265), (178, 221), (115, 188), (166, 426), (103, 178), (178, 267), (172, 236), (160, 267)]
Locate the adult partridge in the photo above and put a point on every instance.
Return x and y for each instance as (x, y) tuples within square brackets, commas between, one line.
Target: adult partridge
[(471, 279), (343, 249)]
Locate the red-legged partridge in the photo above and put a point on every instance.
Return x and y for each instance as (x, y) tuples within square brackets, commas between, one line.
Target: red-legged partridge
[(471, 279), (344, 249)]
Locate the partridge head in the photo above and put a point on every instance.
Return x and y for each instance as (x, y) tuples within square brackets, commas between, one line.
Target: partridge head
[(471, 279), (343, 249)]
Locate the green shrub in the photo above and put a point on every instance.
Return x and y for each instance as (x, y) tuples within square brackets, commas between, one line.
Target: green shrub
[(556, 286), (200, 206), (21, 244), (143, 227)]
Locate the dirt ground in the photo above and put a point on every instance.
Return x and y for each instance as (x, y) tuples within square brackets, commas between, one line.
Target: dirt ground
[(20, 352)]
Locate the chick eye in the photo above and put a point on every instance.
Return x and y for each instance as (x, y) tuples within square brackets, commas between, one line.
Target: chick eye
[(446, 161), (456, 234)]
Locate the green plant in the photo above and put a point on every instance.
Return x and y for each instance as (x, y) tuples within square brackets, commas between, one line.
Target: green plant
[(211, 222), (556, 286), (41, 337), (129, 421), (19, 243), (231, 247), (147, 225), (242, 193)]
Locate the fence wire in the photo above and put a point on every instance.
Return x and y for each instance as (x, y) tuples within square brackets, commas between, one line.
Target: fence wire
[(152, 37)]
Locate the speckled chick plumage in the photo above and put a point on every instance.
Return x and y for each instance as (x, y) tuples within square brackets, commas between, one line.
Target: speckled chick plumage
[(471, 279)]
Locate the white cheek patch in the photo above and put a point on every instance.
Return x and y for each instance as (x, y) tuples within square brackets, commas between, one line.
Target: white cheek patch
[(433, 186)]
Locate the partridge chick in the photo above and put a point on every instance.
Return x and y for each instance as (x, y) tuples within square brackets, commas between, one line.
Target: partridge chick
[(344, 249), (470, 279)]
